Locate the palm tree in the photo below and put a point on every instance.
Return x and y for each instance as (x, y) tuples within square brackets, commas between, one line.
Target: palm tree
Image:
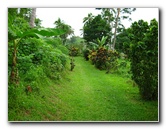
[(58, 23), (61, 25), (88, 18)]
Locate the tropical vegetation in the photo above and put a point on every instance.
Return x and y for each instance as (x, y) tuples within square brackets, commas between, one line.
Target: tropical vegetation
[(109, 74)]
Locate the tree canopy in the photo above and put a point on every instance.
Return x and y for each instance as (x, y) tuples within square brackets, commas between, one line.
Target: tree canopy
[(95, 29), (61, 25)]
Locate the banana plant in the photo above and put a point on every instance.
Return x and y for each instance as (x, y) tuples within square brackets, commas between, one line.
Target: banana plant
[(102, 41), (93, 46), (19, 35)]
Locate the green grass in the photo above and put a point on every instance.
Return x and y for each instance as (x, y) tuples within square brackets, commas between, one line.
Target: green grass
[(85, 94)]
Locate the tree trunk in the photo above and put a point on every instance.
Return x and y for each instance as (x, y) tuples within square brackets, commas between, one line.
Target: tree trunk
[(14, 73), (32, 18), (116, 24)]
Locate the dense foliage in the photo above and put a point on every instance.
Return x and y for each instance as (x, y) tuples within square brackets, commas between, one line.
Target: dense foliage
[(144, 57), (123, 42), (100, 55), (36, 52), (96, 28), (35, 56), (24, 46), (114, 16)]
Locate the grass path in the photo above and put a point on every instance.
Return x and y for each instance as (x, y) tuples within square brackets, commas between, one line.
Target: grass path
[(89, 94), (85, 94)]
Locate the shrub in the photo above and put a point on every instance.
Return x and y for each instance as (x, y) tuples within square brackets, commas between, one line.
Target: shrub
[(111, 63), (73, 51), (86, 54), (34, 53), (144, 58), (92, 56), (123, 68), (104, 59), (101, 58)]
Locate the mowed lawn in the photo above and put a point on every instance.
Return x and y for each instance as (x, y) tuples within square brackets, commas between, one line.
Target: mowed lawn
[(89, 94), (86, 94)]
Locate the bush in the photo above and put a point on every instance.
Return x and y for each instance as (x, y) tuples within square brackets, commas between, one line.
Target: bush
[(34, 53), (124, 68), (86, 54), (101, 58), (144, 58), (104, 59), (92, 56), (73, 51)]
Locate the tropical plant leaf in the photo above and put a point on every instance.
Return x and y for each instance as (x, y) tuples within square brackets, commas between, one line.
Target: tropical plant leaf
[(50, 31)]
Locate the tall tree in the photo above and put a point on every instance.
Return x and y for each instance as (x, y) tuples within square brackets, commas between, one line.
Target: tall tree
[(114, 16), (89, 18), (61, 25), (96, 29), (32, 18), (116, 24)]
